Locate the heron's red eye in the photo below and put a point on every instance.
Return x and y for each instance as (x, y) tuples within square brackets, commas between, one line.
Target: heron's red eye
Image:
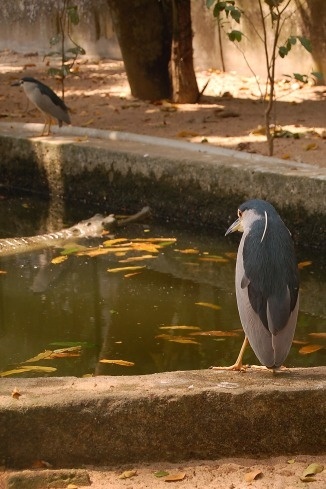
[(239, 213)]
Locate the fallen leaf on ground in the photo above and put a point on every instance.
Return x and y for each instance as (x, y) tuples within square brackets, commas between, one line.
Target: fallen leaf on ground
[(312, 469), (15, 393), (311, 146), (161, 473), (41, 464), (254, 474), (187, 134), (175, 477), (127, 474), (318, 335)]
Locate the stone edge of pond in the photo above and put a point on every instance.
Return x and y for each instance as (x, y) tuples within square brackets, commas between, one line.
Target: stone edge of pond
[(167, 416), (193, 184)]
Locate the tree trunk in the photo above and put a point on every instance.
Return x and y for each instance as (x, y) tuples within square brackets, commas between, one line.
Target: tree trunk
[(184, 84), (143, 29)]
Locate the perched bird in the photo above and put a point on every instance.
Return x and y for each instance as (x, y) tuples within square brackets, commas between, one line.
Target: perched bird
[(45, 100), (266, 283)]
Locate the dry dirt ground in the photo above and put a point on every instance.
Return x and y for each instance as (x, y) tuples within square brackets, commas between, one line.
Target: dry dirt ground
[(229, 115)]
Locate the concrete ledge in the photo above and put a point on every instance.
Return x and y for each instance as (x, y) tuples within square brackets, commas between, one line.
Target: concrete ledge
[(190, 183), (170, 416)]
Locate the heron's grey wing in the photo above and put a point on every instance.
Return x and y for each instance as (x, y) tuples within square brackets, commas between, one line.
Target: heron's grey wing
[(283, 340), (48, 102), (57, 111), (259, 337)]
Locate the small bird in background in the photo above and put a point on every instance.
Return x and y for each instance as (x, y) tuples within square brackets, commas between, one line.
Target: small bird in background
[(46, 101), (266, 283)]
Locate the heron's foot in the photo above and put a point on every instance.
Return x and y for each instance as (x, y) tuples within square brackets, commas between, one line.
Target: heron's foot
[(236, 367)]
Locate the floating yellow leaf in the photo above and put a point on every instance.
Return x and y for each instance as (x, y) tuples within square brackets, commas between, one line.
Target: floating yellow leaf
[(40, 356), (177, 339), (3, 272), (113, 242), (180, 327), (59, 259), (175, 477), (128, 275), (189, 251), (137, 258), (154, 240), (68, 349), (215, 333), (216, 259), (318, 335), (304, 264), (96, 252), (29, 368), (254, 474), (122, 363), (305, 350), (208, 304), (127, 474), (125, 269), (231, 254)]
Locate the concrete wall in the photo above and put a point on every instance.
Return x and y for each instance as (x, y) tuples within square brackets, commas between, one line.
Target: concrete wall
[(27, 27)]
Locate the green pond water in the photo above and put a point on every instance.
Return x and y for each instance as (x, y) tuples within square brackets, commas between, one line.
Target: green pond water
[(178, 312)]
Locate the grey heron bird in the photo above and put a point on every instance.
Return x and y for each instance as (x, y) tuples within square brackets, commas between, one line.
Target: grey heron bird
[(266, 283), (44, 98)]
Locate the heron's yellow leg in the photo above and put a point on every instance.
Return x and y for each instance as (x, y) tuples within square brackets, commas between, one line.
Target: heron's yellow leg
[(238, 365)]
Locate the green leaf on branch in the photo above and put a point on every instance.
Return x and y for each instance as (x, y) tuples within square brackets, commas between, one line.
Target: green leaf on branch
[(72, 13), (76, 50), (219, 7), (235, 36), (300, 77), (305, 43), (283, 51)]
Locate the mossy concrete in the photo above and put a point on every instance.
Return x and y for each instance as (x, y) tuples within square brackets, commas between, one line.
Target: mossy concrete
[(194, 184), (170, 416)]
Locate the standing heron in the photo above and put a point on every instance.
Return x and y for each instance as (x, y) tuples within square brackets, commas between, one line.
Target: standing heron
[(46, 101), (266, 283)]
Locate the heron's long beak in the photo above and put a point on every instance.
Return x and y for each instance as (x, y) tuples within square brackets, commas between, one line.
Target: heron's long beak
[(236, 226)]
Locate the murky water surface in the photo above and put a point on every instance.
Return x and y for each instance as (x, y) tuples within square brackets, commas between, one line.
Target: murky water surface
[(177, 312)]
